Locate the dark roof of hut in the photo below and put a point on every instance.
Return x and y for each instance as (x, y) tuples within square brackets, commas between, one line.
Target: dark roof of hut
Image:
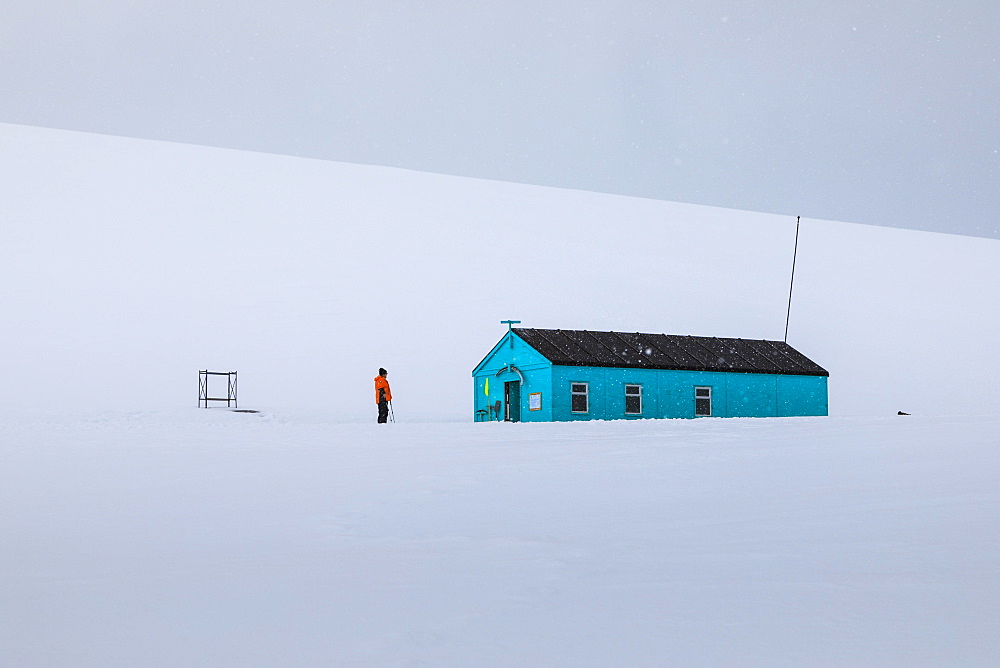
[(569, 347)]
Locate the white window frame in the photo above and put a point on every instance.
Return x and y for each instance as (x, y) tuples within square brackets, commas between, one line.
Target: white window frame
[(585, 394), (627, 395), (696, 398)]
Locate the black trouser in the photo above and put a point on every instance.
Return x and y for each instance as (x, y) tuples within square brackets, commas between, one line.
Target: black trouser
[(383, 412)]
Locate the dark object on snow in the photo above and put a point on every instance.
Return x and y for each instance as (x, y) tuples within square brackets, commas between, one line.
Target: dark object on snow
[(901, 413), (626, 350)]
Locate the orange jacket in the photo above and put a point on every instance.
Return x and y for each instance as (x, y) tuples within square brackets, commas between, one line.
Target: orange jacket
[(382, 384)]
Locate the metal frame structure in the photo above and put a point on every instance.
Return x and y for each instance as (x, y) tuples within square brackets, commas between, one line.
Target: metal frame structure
[(230, 397)]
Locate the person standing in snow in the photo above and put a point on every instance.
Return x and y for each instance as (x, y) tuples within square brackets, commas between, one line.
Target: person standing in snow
[(383, 395)]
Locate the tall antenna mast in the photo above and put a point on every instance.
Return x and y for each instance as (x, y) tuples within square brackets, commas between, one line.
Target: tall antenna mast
[(791, 285)]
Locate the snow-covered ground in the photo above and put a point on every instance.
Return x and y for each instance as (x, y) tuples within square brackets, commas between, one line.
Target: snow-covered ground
[(194, 537), (136, 529), (126, 266)]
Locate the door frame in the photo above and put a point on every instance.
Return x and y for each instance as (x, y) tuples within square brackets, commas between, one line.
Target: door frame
[(512, 414)]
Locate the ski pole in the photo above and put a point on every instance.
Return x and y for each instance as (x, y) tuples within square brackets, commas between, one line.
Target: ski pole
[(391, 414)]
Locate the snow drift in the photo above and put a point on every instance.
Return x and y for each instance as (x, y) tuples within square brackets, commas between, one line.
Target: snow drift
[(128, 265), (140, 530)]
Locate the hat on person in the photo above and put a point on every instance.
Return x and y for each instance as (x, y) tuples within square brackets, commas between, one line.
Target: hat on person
[(382, 371)]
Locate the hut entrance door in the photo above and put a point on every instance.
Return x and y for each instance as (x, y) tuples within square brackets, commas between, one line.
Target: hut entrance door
[(512, 401)]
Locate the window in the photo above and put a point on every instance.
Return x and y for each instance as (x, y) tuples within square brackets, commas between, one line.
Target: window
[(578, 392), (702, 402), (633, 400)]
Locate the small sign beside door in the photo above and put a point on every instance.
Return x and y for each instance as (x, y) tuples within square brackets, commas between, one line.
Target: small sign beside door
[(535, 401)]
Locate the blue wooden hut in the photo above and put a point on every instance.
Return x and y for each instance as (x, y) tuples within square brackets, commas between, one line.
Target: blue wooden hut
[(552, 375)]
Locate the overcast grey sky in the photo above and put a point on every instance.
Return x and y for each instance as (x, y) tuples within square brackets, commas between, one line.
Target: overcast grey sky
[(871, 112)]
